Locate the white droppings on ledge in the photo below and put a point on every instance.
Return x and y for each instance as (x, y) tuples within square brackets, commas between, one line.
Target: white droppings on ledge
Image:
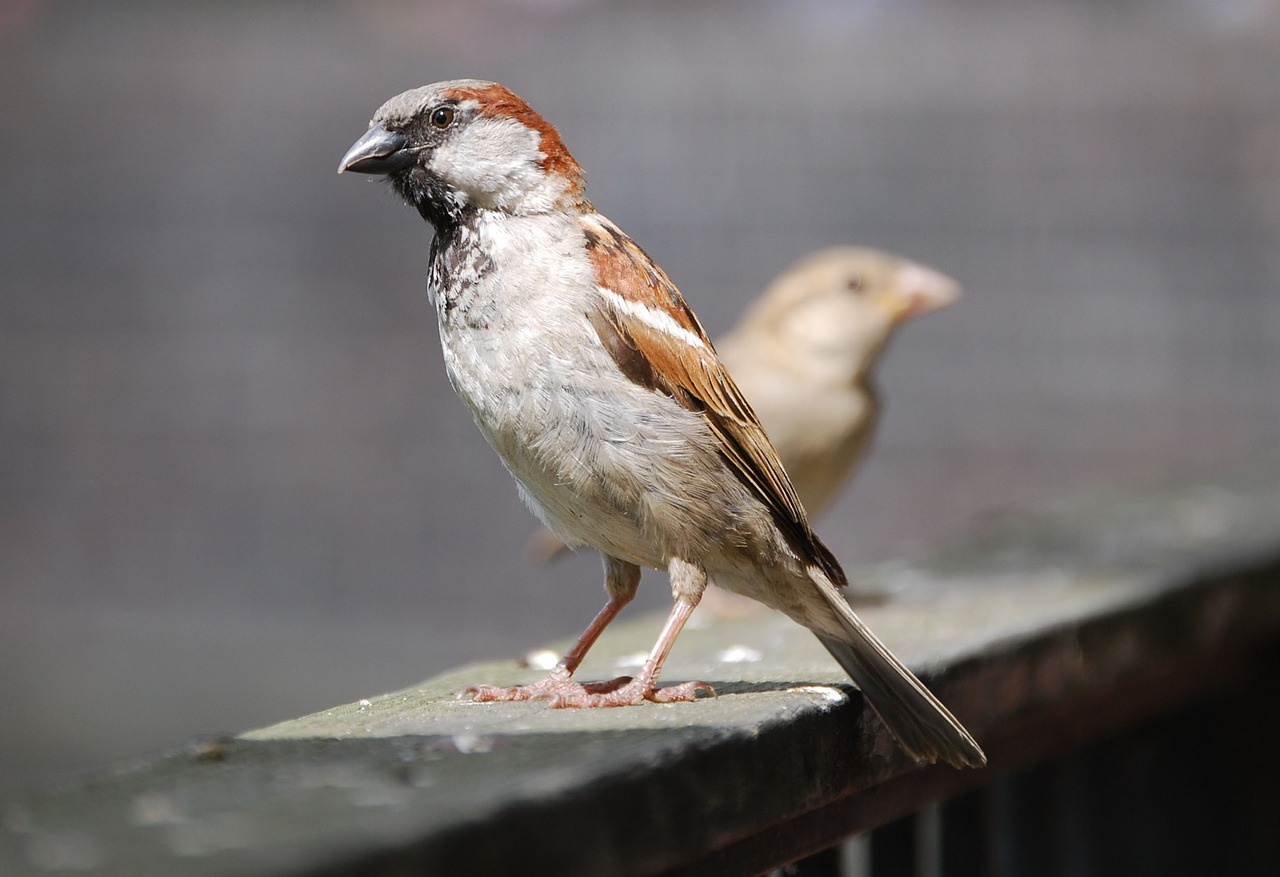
[(542, 659), (740, 655), (468, 744), (826, 692), (364, 704), (156, 808)]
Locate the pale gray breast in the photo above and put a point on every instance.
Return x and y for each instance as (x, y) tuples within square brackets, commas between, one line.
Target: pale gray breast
[(602, 460)]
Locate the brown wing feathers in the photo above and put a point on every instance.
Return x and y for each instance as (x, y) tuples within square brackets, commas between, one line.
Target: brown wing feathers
[(656, 340)]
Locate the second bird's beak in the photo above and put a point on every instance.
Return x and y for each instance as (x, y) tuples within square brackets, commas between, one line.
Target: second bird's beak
[(921, 290), (379, 151)]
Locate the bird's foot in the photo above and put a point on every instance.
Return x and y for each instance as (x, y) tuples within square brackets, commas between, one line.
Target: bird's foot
[(556, 686), (561, 692), (625, 691), (558, 682)]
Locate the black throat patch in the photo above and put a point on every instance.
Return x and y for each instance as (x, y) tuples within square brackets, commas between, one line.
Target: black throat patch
[(459, 265)]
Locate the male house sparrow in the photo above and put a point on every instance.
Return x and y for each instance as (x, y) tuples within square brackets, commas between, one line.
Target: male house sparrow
[(804, 356), (591, 377)]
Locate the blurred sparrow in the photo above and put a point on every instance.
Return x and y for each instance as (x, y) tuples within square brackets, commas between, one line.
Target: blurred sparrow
[(591, 377), (805, 353)]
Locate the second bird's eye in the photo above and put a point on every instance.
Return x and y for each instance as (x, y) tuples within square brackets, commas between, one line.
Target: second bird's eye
[(442, 117)]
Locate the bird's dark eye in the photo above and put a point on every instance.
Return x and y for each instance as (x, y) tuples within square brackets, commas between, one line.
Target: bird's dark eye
[(442, 117), (855, 283)]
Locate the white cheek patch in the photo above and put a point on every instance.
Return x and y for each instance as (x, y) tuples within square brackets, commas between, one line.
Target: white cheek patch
[(496, 162), (658, 320)]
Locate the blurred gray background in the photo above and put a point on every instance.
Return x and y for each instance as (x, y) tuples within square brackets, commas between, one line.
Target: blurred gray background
[(234, 484)]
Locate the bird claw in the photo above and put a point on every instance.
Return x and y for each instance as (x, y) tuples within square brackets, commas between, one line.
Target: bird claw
[(685, 691), (561, 692)]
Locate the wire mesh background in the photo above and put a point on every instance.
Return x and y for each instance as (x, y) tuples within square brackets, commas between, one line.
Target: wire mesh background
[(234, 484)]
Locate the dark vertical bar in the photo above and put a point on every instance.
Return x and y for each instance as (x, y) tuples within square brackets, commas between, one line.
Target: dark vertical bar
[(1253, 721), (1017, 828), (893, 849), (964, 848), (1180, 786), (1075, 814)]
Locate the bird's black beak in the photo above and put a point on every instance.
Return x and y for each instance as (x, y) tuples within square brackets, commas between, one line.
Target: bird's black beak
[(379, 151)]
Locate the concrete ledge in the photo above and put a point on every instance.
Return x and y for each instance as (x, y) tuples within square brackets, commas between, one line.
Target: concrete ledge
[(1047, 630)]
